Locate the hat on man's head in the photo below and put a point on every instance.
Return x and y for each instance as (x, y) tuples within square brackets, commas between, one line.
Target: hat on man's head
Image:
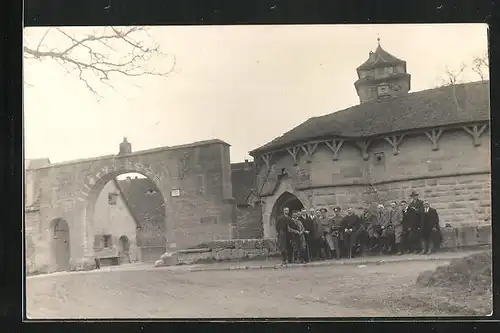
[(414, 194), (323, 210)]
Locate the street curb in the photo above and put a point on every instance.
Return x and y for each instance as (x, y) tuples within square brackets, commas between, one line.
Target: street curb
[(317, 264)]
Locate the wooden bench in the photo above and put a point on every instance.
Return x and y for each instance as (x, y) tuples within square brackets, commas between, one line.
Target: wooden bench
[(110, 255)]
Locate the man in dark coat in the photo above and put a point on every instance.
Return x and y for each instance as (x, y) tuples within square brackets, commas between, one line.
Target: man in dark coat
[(351, 223), (416, 210), (407, 222), (431, 233), (284, 243), (319, 240), (308, 224), (314, 235)]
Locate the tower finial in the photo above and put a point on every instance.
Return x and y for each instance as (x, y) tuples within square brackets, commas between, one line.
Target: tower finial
[(378, 39)]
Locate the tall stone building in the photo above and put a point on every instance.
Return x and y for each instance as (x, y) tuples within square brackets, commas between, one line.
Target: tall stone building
[(435, 142)]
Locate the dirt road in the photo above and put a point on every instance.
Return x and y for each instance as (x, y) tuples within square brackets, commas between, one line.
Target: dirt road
[(328, 291)]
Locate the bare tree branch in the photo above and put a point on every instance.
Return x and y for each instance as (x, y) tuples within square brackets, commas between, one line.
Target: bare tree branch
[(101, 56), (480, 65), (453, 77)]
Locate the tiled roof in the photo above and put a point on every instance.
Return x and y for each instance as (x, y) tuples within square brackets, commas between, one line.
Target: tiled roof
[(243, 180), (380, 58), (143, 199), (463, 103)]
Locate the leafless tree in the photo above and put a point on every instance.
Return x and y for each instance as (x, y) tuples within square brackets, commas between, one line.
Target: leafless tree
[(453, 77), (480, 65), (101, 56)]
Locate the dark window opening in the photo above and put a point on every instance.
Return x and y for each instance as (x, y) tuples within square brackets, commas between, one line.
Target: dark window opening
[(379, 158), (112, 198), (102, 242), (107, 241)]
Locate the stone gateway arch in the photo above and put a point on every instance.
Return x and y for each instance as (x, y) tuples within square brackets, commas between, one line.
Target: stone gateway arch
[(194, 180)]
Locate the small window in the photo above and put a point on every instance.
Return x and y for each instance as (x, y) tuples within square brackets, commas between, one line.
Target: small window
[(97, 242), (389, 70), (112, 198), (383, 90), (379, 158)]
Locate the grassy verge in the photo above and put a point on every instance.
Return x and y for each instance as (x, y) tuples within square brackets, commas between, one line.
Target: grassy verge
[(463, 287)]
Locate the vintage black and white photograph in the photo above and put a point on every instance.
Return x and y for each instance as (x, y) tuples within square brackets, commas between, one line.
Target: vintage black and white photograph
[(257, 171)]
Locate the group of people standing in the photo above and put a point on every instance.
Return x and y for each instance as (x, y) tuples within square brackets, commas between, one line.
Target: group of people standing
[(400, 228)]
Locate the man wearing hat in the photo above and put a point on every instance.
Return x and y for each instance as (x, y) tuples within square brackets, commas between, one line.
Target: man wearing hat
[(416, 214), (337, 232)]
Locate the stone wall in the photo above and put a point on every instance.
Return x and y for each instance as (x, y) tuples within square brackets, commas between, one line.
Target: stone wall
[(201, 212), (229, 250), (248, 223)]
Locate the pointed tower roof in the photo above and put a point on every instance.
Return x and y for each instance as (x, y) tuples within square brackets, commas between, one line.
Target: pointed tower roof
[(380, 58)]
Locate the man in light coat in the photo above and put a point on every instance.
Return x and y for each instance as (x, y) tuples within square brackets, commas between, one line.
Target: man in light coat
[(397, 222), (383, 221), (326, 228), (337, 232)]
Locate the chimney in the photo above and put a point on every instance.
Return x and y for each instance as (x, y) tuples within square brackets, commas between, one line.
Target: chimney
[(125, 147), (128, 178), (247, 166)]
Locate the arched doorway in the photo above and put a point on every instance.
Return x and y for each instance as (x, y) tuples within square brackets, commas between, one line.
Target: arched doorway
[(60, 244), (287, 199), (127, 209), (124, 249)]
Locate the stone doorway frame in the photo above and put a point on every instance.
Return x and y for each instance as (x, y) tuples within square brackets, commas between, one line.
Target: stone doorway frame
[(60, 237)]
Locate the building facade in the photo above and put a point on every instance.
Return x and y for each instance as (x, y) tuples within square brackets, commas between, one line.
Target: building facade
[(435, 142)]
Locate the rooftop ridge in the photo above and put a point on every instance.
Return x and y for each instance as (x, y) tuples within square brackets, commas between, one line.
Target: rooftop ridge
[(139, 152), (464, 103)]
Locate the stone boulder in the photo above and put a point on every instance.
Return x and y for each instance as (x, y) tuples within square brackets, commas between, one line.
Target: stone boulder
[(167, 259), (84, 264)]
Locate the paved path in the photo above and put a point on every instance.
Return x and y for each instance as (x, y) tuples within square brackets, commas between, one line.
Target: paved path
[(135, 291)]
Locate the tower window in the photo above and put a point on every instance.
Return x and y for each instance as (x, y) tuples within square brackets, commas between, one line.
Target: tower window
[(383, 90)]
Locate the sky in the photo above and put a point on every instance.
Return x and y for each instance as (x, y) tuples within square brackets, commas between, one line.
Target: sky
[(245, 85)]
